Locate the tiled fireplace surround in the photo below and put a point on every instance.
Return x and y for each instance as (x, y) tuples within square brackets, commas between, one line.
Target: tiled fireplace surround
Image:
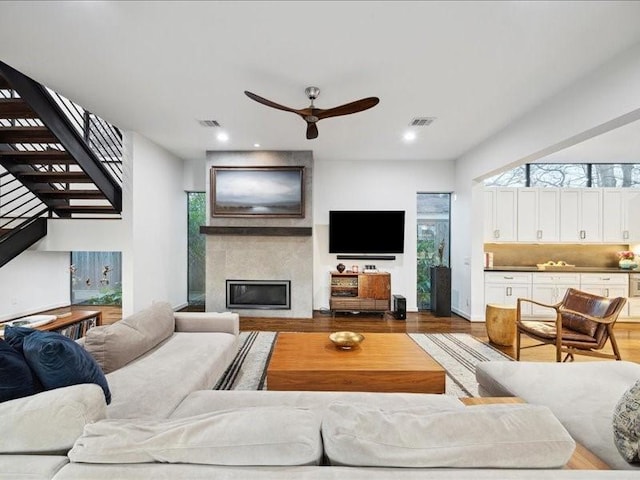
[(264, 248)]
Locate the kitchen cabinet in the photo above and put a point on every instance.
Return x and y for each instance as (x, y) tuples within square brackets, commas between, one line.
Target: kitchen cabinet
[(581, 215), (538, 214), (605, 284), (500, 213), (619, 207), (504, 288), (550, 288)]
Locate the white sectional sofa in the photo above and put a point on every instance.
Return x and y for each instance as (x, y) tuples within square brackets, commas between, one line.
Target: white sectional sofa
[(165, 422), (582, 395)]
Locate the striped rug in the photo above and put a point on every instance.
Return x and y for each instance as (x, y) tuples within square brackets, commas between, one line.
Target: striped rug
[(458, 353)]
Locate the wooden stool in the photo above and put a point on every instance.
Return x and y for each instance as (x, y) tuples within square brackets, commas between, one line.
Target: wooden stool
[(500, 321)]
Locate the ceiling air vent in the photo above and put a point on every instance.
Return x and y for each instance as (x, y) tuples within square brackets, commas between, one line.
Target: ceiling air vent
[(209, 123), (422, 121)]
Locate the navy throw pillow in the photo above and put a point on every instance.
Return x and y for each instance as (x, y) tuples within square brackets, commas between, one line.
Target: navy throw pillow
[(16, 378), (59, 361), (16, 335)]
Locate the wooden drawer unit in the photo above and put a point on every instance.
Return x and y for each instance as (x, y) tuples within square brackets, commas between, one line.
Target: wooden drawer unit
[(360, 292)]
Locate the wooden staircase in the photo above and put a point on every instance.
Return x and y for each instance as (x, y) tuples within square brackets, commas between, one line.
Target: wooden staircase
[(48, 159)]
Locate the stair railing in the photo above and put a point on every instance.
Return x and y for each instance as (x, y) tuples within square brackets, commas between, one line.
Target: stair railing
[(61, 124), (104, 139), (18, 204)]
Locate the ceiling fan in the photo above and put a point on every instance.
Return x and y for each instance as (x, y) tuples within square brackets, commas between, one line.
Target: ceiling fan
[(311, 114)]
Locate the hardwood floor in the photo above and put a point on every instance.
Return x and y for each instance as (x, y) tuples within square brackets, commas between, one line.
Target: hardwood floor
[(627, 333)]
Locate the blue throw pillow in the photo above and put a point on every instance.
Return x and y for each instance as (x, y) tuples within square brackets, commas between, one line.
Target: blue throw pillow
[(16, 378), (16, 335), (59, 361)]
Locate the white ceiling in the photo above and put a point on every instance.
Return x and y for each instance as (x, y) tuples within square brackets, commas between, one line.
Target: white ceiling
[(159, 67)]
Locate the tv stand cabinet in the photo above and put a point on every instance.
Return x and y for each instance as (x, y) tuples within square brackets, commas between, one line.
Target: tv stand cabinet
[(360, 292)]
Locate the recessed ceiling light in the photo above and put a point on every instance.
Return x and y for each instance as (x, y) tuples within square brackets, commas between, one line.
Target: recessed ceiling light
[(222, 137), (409, 136), (257, 145)]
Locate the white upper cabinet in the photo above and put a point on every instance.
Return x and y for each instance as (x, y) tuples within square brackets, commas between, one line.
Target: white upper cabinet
[(538, 217), (581, 215), (500, 213), (620, 207)]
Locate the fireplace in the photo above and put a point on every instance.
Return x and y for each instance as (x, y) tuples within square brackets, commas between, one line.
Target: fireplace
[(259, 294)]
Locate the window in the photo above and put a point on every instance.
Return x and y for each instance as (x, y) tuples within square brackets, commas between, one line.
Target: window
[(196, 248), (433, 214), (511, 178), (615, 175), (569, 175), (558, 175), (96, 278)]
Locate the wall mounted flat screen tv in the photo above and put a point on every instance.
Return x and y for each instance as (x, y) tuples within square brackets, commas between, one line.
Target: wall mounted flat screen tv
[(366, 231)]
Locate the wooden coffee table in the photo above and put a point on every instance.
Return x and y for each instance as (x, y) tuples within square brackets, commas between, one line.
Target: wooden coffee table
[(383, 362)]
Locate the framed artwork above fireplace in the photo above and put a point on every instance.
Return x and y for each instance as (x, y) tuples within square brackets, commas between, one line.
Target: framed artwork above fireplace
[(257, 191)]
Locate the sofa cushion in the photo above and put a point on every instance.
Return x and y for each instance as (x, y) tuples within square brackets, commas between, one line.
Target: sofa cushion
[(58, 361), (115, 345), (154, 384), (16, 378), (582, 395), (626, 424), (484, 436), (50, 421), (14, 336), (249, 436)]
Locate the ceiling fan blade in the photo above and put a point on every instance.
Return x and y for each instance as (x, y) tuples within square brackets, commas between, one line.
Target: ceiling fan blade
[(348, 108), (269, 103), (312, 130)]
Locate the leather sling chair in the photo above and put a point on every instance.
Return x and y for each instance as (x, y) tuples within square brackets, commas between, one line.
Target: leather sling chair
[(584, 322)]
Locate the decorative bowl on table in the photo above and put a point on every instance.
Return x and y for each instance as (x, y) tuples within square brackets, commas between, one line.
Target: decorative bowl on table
[(346, 340)]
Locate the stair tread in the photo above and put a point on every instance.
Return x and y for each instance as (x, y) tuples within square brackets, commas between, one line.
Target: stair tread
[(55, 177), (26, 135), (70, 193), (46, 157), (15, 108), (87, 209)]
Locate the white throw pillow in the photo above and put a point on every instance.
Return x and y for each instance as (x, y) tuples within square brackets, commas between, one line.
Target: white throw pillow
[(50, 421), (484, 436), (247, 436)]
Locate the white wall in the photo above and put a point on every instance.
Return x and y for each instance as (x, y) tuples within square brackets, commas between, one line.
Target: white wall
[(375, 185), (155, 257), (32, 282), (152, 237), (605, 99)]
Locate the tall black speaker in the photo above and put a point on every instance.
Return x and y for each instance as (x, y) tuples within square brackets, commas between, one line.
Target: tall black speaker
[(441, 291), (399, 307)]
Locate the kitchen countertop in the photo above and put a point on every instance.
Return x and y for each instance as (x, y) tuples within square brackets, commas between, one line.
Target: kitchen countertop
[(508, 268)]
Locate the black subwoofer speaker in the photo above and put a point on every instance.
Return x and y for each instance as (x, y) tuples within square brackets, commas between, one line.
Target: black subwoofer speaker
[(399, 307)]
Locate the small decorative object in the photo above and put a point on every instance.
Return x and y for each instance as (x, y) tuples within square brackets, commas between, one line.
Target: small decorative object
[(627, 260), (346, 340), (354, 268), (340, 267)]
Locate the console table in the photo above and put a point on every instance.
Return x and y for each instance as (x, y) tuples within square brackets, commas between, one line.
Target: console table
[(369, 292), (73, 324)]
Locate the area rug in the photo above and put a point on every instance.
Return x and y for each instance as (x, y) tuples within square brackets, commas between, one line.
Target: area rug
[(458, 353)]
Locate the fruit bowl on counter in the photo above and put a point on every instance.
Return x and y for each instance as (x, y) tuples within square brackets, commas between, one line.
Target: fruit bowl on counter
[(551, 265)]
